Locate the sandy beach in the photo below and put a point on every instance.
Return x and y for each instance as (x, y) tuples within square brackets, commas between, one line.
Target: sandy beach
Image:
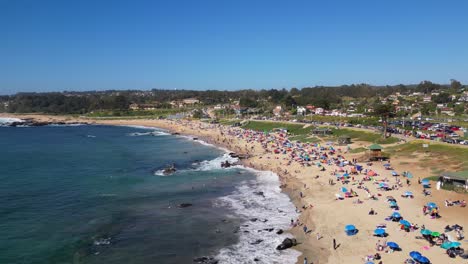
[(322, 213)]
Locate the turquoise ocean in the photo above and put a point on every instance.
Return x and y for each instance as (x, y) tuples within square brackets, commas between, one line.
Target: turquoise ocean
[(96, 194)]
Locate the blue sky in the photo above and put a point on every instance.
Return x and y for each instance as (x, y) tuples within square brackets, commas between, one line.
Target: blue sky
[(207, 44)]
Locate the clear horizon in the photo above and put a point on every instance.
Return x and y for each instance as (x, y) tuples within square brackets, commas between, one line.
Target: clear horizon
[(209, 45)]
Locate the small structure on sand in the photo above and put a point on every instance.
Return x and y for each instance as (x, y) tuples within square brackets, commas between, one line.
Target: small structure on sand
[(456, 178), (344, 140), (375, 152)]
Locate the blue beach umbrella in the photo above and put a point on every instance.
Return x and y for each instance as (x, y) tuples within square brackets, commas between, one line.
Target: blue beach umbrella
[(343, 189), (392, 203), (383, 184), (409, 175), (415, 254), (405, 223), (346, 175), (431, 205), (408, 193), (379, 231), (386, 165), (448, 245), (394, 173), (396, 215), (392, 245), (369, 262), (422, 260), (426, 232), (425, 182), (350, 228)]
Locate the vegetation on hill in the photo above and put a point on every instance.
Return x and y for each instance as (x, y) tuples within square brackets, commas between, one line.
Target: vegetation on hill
[(320, 96)]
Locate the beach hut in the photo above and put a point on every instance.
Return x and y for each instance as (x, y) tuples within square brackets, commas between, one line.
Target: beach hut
[(375, 152), (344, 140), (456, 178)]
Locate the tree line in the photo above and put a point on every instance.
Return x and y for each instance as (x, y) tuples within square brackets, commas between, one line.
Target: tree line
[(320, 96)]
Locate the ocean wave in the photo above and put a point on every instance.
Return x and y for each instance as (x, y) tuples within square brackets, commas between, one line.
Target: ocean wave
[(9, 120), (260, 200), (207, 165), (67, 125), (215, 164), (140, 127), (152, 133)]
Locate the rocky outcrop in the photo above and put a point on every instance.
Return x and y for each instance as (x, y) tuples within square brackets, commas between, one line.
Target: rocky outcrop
[(287, 243)]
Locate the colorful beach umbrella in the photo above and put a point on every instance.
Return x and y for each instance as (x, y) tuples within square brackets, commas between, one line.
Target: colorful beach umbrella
[(396, 215), (392, 203), (405, 223), (392, 245), (408, 193), (435, 234), (431, 205), (449, 244), (426, 232), (422, 260), (343, 189), (379, 231), (415, 254), (350, 228)]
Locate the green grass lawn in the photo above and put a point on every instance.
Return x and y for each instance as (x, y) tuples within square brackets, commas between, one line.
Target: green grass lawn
[(442, 153), (357, 135), (305, 139), (294, 129), (357, 150), (136, 114)]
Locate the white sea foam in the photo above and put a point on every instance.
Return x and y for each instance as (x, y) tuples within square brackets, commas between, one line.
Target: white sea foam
[(274, 206), (67, 125), (9, 120), (140, 127), (208, 165), (152, 133), (215, 164)]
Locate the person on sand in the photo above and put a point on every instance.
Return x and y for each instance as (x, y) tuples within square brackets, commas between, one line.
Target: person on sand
[(305, 260)]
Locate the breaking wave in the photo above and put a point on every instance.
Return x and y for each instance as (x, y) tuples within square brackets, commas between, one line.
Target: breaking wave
[(265, 209), (152, 133)]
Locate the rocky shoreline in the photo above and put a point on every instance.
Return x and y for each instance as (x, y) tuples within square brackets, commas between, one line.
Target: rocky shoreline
[(31, 122)]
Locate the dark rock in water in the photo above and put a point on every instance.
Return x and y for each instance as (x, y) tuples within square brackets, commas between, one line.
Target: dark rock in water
[(253, 219), (256, 242), (268, 229), (205, 260), (183, 205), (279, 232), (256, 259), (287, 243), (259, 193)]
